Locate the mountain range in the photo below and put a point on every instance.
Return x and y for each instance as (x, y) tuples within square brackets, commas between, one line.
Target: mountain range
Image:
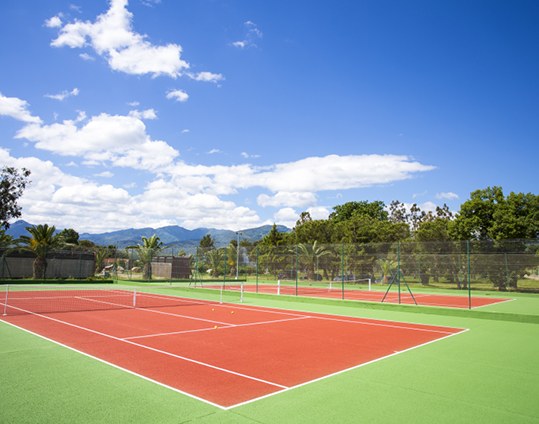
[(171, 236)]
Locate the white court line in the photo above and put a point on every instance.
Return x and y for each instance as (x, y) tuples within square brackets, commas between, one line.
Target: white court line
[(491, 304), (164, 352), (116, 366), (283, 388), (161, 312), (249, 324), (343, 371), (380, 323)]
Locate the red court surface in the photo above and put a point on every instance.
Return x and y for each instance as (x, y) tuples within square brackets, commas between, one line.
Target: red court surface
[(422, 299), (225, 354)]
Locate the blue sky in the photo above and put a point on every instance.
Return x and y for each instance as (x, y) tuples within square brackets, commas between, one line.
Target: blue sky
[(233, 114)]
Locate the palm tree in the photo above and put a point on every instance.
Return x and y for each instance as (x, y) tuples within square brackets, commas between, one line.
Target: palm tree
[(42, 239), (147, 250), (387, 266), (311, 253), (216, 259)]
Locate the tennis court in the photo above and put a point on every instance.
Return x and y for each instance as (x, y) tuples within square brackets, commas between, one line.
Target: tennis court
[(337, 292), (224, 354)]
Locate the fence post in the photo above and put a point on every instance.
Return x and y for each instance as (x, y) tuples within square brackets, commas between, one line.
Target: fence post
[(469, 275), (296, 269), (399, 270), (6, 299), (256, 269), (342, 271)]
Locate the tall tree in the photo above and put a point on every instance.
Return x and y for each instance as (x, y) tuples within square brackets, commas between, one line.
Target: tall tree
[(375, 210), (476, 215), (490, 219), (207, 242), (12, 185), (310, 254), (68, 236), (147, 250), (41, 240)]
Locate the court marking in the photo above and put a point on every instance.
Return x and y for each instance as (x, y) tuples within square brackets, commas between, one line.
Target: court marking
[(281, 388)]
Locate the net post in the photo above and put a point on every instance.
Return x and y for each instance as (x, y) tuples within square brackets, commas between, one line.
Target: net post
[(369, 284), (5, 300), (278, 287), (241, 291), (134, 298)]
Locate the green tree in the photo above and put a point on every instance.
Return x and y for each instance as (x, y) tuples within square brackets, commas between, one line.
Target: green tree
[(310, 255), (490, 219), (41, 240), (216, 260), (12, 185), (207, 242), (68, 236), (387, 266), (375, 210), (147, 250), (476, 216), (5, 239)]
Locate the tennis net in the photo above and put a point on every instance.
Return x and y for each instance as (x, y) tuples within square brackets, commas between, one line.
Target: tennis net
[(20, 300)]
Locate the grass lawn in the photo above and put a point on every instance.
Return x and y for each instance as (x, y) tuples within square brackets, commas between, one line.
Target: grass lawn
[(489, 374)]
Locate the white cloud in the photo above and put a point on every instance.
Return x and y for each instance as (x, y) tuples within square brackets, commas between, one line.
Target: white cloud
[(104, 174), (63, 95), (17, 109), (319, 212), (148, 114), (282, 198), (54, 22), (87, 57), (252, 34), (206, 77), (335, 172), (447, 195), (286, 216), (112, 37), (185, 131), (113, 139), (178, 95), (214, 151)]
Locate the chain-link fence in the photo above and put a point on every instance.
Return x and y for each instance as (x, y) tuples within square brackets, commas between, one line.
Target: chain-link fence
[(334, 270)]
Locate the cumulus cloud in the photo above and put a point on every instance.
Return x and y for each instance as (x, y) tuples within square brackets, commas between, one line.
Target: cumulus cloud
[(54, 22), (176, 192), (63, 95), (206, 77), (148, 114), (17, 109), (112, 37), (286, 216), (282, 198), (178, 95), (447, 195), (113, 139), (335, 172)]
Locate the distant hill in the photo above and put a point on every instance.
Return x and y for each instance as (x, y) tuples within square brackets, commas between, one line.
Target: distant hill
[(172, 235)]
